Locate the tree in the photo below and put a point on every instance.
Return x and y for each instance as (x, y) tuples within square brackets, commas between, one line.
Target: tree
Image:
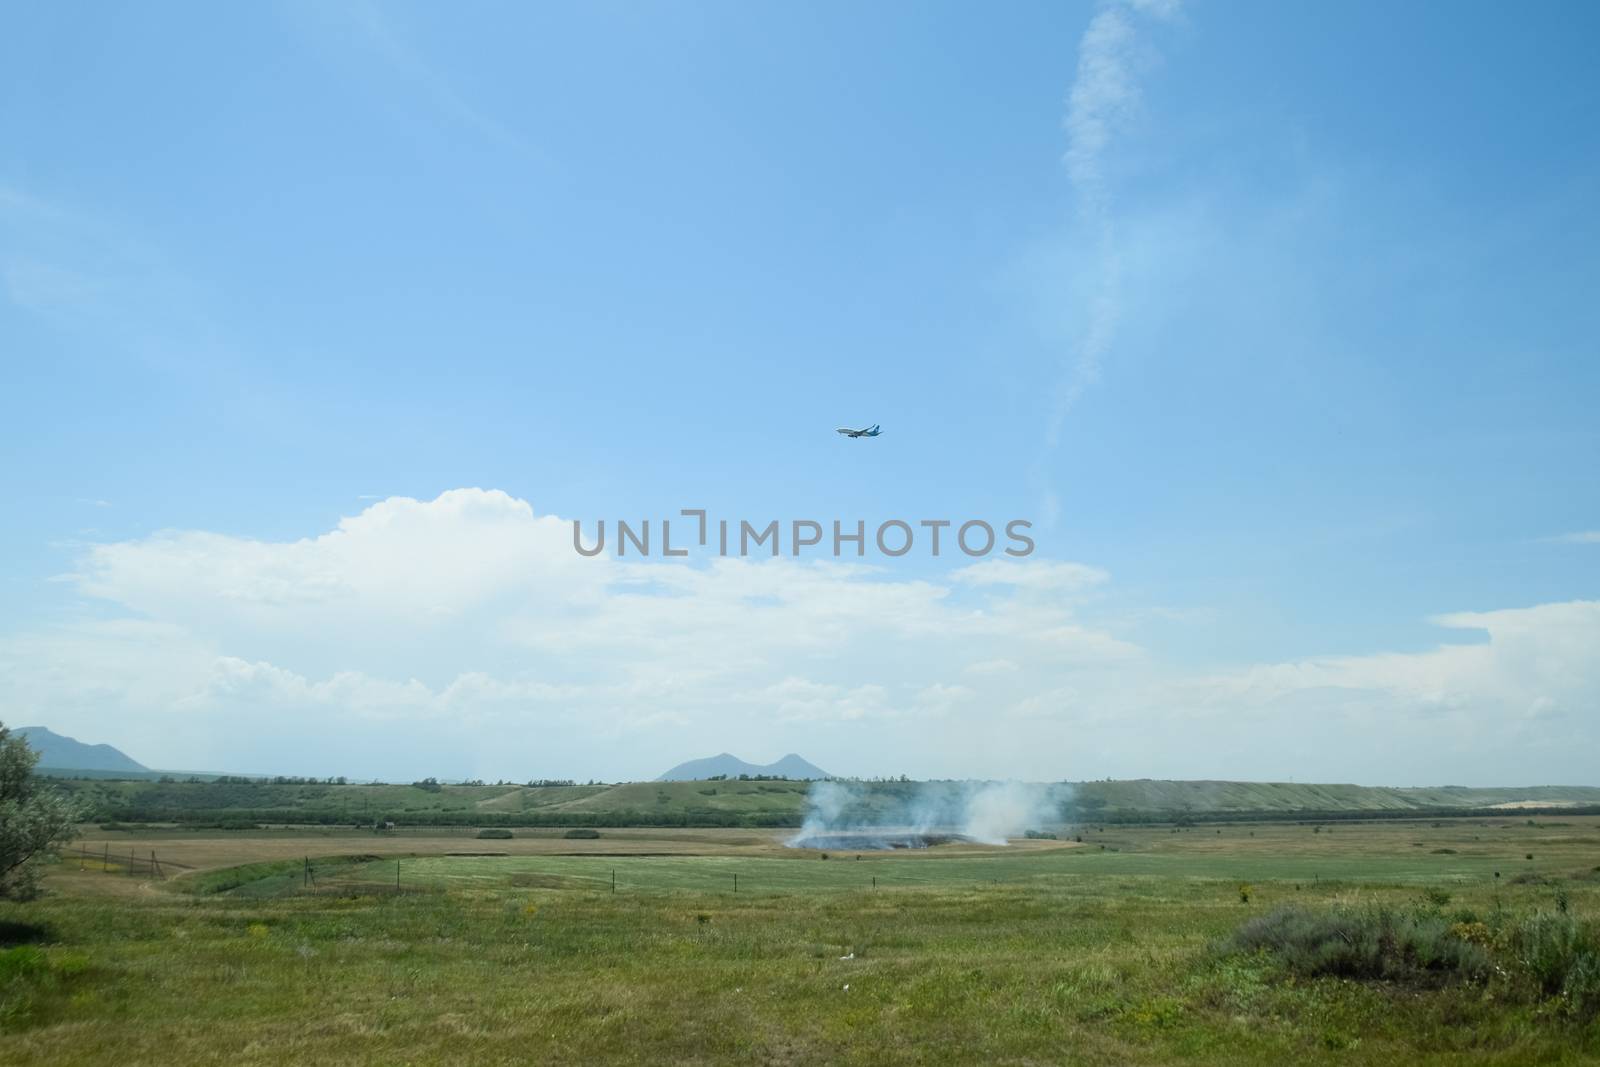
[(35, 819)]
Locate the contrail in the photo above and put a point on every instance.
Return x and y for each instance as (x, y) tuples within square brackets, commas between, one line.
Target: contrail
[(1104, 93)]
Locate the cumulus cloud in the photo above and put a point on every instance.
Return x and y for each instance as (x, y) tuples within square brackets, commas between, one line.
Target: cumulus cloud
[(463, 636), (413, 615)]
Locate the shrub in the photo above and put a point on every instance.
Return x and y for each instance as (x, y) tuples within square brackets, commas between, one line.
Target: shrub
[(1554, 955), (581, 834), (495, 835), (1371, 943)]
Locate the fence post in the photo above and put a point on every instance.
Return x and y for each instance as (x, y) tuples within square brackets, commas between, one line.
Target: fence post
[(105, 859)]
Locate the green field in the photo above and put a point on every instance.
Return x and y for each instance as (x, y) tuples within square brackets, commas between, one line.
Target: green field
[(1112, 950)]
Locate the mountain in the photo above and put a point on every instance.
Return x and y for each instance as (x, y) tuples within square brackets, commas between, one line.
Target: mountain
[(790, 766), (65, 753)]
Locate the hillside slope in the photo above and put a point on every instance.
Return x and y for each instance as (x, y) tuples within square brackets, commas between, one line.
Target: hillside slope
[(747, 803), (727, 765), (66, 753), (1157, 795)]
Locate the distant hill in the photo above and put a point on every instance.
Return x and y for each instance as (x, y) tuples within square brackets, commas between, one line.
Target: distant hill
[(1210, 797), (66, 753), (696, 770)]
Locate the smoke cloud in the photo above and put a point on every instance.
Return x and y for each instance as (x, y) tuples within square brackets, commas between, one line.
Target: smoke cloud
[(878, 815)]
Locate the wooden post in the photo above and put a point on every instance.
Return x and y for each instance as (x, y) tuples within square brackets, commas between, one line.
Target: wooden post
[(613, 879), (130, 861), (105, 858), (155, 865), (736, 883), (397, 874)]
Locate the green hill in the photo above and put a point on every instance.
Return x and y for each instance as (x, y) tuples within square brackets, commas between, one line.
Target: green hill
[(237, 801), (1209, 797)]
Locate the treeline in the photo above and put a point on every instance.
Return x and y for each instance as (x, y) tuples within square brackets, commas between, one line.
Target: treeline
[(227, 818), (1311, 817)]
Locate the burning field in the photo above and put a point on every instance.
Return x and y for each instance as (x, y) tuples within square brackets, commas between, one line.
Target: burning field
[(879, 816), (877, 840)]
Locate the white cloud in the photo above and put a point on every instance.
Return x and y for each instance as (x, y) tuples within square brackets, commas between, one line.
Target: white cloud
[(1104, 95), (1581, 537), (1032, 574), (414, 614), (463, 636)]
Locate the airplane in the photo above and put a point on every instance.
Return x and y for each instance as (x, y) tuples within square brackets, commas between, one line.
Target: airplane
[(870, 431)]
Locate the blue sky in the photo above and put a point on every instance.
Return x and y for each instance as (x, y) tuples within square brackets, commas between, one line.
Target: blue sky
[(1275, 319)]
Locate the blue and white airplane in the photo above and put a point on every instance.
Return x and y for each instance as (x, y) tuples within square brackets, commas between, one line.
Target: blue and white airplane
[(870, 431)]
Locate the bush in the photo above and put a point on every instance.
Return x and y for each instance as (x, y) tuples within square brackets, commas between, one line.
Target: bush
[(495, 835), (581, 834), (1371, 943), (1553, 955)]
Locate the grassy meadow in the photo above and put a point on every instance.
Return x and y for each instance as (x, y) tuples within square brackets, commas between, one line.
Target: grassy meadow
[(1121, 948)]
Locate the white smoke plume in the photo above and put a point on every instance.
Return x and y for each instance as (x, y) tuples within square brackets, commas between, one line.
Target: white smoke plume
[(866, 815)]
